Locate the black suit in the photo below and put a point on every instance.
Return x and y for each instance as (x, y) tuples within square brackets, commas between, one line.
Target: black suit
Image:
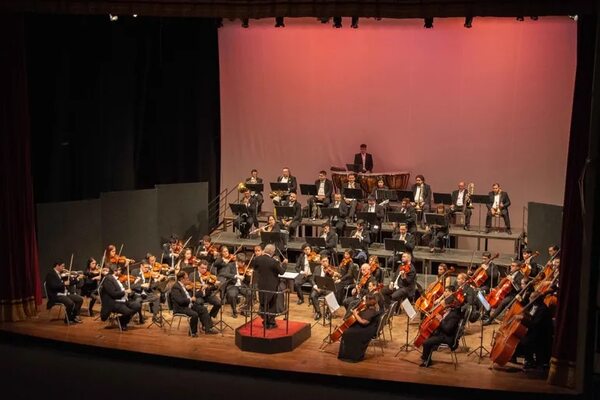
[(302, 277), (268, 270), (375, 228), (243, 222), (296, 219), (505, 202), (331, 241), (368, 165), (181, 300), (446, 333), (292, 183), (312, 201), (463, 208), (339, 223), (316, 291), (57, 293), (258, 196), (114, 299), (352, 203), (426, 195), (409, 242), (411, 218), (405, 286)]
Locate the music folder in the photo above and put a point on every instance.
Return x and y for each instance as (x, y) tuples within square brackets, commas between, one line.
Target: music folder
[(330, 212), (369, 217), (442, 198), (405, 193), (315, 241), (479, 198), (353, 167), (396, 217), (394, 245), (435, 219), (271, 237), (350, 243)]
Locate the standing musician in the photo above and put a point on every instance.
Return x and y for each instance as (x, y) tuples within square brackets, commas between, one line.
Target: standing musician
[(183, 303), (303, 270), (437, 233), (352, 203), (320, 270), (446, 332), (492, 272), (258, 196), (268, 269), (146, 285), (243, 222), (407, 209), (403, 284), (57, 283), (364, 160), (339, 222), (355, 340), (497, 205), (286, 177), (362, 234), (187, 262), (114, 298), (421, 192), (207, 294), (90, 284), (515, 275), (323, 197), (292, 224), (461, 203)]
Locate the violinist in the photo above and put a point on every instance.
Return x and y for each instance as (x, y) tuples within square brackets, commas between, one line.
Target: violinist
[(303, 270), (208, 292), (240, 284), (514, 278), (90, 284), (187, 262), (208, 251), (114, 298), (320, 270), (403, 283), (377, 274), (146, 285), (172, 249), (355, 340), (339, 221), (57, 283), (348, 275), (222, 268), (244, 221), (113, 259), (352, 301), (134, 299), (446, 332), (183, 303)]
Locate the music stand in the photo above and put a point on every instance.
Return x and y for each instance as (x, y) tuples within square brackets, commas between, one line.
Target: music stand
[(353, 167), (238, 209), (352, 193), (284, 212), (350, 243), (325, 283), (397, 246), (330, 212), (479, 199), (369, 217), (385, 194), (308, 189), (271, 237), (404, 193), (316, 241), (481, 349), (436, 219), (255, 187), (442, 198), (279, 186), (397, 217)]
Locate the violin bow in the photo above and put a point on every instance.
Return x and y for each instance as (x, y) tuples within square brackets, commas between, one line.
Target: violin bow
[(70, 265), (128, 279)]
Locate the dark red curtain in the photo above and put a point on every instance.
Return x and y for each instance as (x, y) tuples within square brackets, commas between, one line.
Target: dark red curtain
[(20, 289)]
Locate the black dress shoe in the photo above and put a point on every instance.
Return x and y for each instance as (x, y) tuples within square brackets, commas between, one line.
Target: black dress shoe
[(509, 231), (300, 301), (317, 316), (234, 315), (124, 327), (271, 326), (194, 335), (466, 227), (76, 320), (425, 363), (211, 331)]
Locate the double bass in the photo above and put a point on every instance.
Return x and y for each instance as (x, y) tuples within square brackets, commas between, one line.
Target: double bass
[(433, 292)]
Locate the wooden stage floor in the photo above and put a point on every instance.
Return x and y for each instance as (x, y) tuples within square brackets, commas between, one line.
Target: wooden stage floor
[(307, 358)]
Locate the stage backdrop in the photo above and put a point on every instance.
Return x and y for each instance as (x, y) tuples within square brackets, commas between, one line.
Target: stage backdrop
[(491, 103)]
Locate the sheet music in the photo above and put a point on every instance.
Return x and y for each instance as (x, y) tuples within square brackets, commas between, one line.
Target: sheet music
[(408, 309), (332, 302), (289, 275)]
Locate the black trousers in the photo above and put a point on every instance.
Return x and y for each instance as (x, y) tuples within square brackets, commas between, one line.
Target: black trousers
[(197, 313), (399, 295), (72, 304), (503, 213), (463, 209), (433, 342), (268, 303), (210, 299), (126, 309), (298, 282)]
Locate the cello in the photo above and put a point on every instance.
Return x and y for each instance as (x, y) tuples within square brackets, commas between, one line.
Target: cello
[(480, 275), (433, 292), (348, 322), (431, 322)]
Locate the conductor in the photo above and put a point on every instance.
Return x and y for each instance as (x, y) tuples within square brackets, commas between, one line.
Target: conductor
[(268, 270)]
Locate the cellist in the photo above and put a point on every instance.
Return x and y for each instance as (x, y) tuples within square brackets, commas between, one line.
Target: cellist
[(514, 277)]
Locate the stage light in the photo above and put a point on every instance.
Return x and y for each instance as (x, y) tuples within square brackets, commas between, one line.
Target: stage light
[(279, 22), (428, 22), (337, 22), (468, 22), (113, 18), (245, 22), (520, 19), (354, 23)]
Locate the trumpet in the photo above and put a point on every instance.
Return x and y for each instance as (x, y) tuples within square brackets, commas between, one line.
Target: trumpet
[(496, 211), (470, 192)]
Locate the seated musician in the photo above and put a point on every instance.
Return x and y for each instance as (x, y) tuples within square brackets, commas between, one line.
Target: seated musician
[(208, 292), (112, 259), (291, 224), (183, 303), (380, 186), (351, 202), (403, 284), (356, 296), (421, 193), (303, 270), (115, 298), (400, 232), (470, 295), (208, 251), (378, 273), (146, 285), (437, 233), (364, 160), (331, 239), (324, 269), (257, 196), (407, 209), (536, 345), (225, 269), (187, 262), (355, 340), (363, 236), (90, 284), (441, 270), (57, 283), (171, 250), (497, 205), (239, 284), (461, 203), (492, 272), (446, 332), (348, 275), (134, 299), (286, 177), (379, 211), (323, 197), (339, 222), (527, 259), (514, 276), (244, 221), (272, 226)]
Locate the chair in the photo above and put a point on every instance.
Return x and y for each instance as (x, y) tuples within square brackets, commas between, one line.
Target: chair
[(60, 307), (177, 315), (379, 336), (459, 334), (114, 318), (496, 219), (391, 311)]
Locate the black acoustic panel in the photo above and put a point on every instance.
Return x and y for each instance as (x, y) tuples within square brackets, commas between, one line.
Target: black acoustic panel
[(183, 210), (544, 227), (68, 227), (129, 218)]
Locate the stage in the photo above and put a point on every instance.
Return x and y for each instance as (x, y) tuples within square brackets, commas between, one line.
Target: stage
[(305, 359)]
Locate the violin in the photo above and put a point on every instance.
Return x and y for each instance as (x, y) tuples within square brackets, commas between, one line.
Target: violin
[(244, 270), (373, 265), (126, 278), (120, 260), (433, 292), (331, 271), (480, 275), (158, 267), (314, 257), (208, 278)]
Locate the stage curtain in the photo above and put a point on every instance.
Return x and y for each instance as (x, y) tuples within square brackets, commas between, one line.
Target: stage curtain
[(563, 362), (122, 105), (20, 289)]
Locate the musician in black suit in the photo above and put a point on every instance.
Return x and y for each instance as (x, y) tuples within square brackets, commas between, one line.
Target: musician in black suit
[(514, 276), (411, 215), (497, 204), (244, 221), (304, 271), (536, 345), (527, 258), (460, 203), (115, 298), (331, 238), (446, 332), (258, 196), (316, 292), (400, 232), (421, 193), (147, 288), (292, 224), (492, 272), (56, 288), (348, 275), (183, 303), (268, 270), (292, 183), (339, 222), (207, 295), (379, 211), (364, 237), (364, 160), (324, 192), (436, 233), (351, 202), (402, 284)]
